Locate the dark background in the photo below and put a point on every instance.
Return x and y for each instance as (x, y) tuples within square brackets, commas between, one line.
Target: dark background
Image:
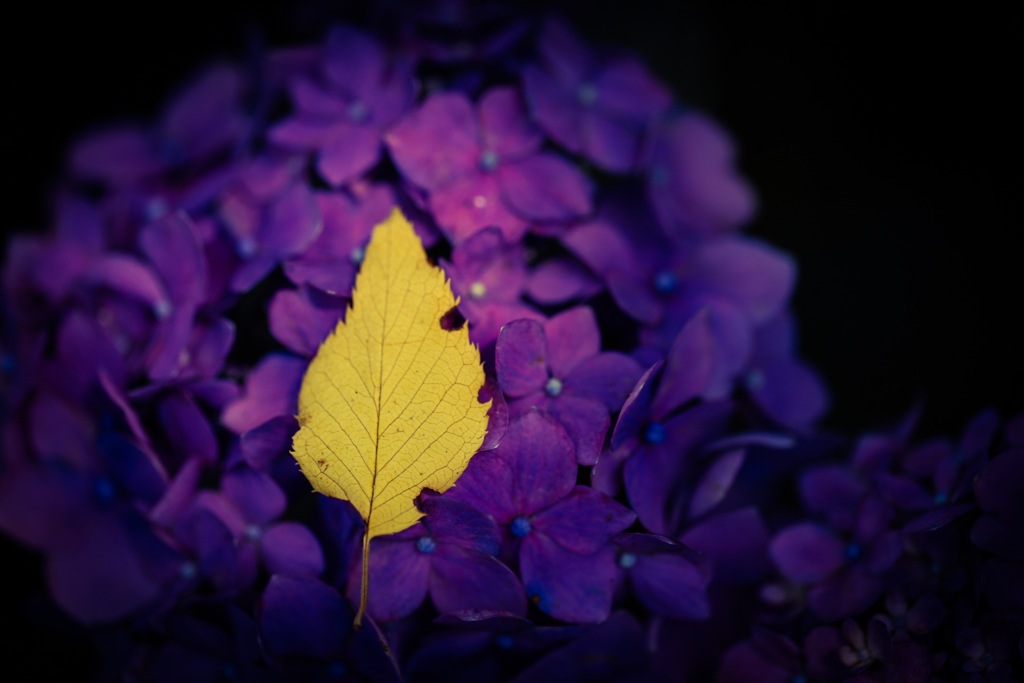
[(883, 143)]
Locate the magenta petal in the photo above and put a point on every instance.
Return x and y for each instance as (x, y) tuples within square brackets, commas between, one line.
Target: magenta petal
[(559, 280), (472, 203), (399, 576), (568, 586), (271, 390), (583, 521), (520, 355), (348, 152), (806, 552), (412, 141), (464, 580), (291, 548), (545, 187), (572, 336)]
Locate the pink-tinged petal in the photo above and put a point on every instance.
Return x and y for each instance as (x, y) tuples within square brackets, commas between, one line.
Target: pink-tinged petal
[(572, 336), (302, 318), (97, 575), (606, 377), (291, 548), (263, 444), (472, 203), (716, 482), (583, 521), (173, 247), (464, 580), (349, 151), (585, 421), (612, 143), (559, 280), (130, 277), (671, 585), (692, 361), (399, 575), (566, 585), (545, 187), (806, 552), (754, 276), (413, 141), (271, 390), (553, 107), (520, 356), (634, 414), (735, 542), (504, 126), (121, 156), (287, 607)]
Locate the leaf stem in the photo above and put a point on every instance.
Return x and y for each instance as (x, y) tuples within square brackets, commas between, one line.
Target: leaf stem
[(365, 583)]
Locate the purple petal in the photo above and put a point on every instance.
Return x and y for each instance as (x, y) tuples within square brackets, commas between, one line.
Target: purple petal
[(806, 552), (606, 377), (186, 427), (291, 222), (560, 280), (271, 390), (262, 444), (130, 277), (399, 576), (716, 482), (754, 276), (504, 126), (413, 141), (936, 518), (611, 142), (790, 392), (627, 88), (353, 59), (302, 318), (463, 580), (173, 247), (204, 116), (671, 585), (458, 524), (471, 203), (349, 151), (553, 108), (568, 586), (585, 421), (520, 355), (119, 155), (844, 594), (291, 549), (255, 494), (302, 617), (572, 336), (689, 366), (583, 521), (736, 543), (832, 490), (634, 413), (545, 187)]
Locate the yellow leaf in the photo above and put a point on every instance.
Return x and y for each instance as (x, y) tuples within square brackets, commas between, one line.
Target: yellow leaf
[(389, 404)]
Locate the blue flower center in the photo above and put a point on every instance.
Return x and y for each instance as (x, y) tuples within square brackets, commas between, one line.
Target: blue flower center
[(104, 491), (488, 160), (358, 111), (162, 309), (188, 570), (357, 255), (586, 94), (655, 433), (253, 532), (660, 176), (941, 498), (426, 545), (246, 247), (505, 641), (553, 387), (520, 527), (7, 364), (853, 550), (665, 282), (798, 678), (627, 560), (754, 380), (337, 670)]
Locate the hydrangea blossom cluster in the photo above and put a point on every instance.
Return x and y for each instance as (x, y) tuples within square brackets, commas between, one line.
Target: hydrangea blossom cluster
[(654, 500)]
